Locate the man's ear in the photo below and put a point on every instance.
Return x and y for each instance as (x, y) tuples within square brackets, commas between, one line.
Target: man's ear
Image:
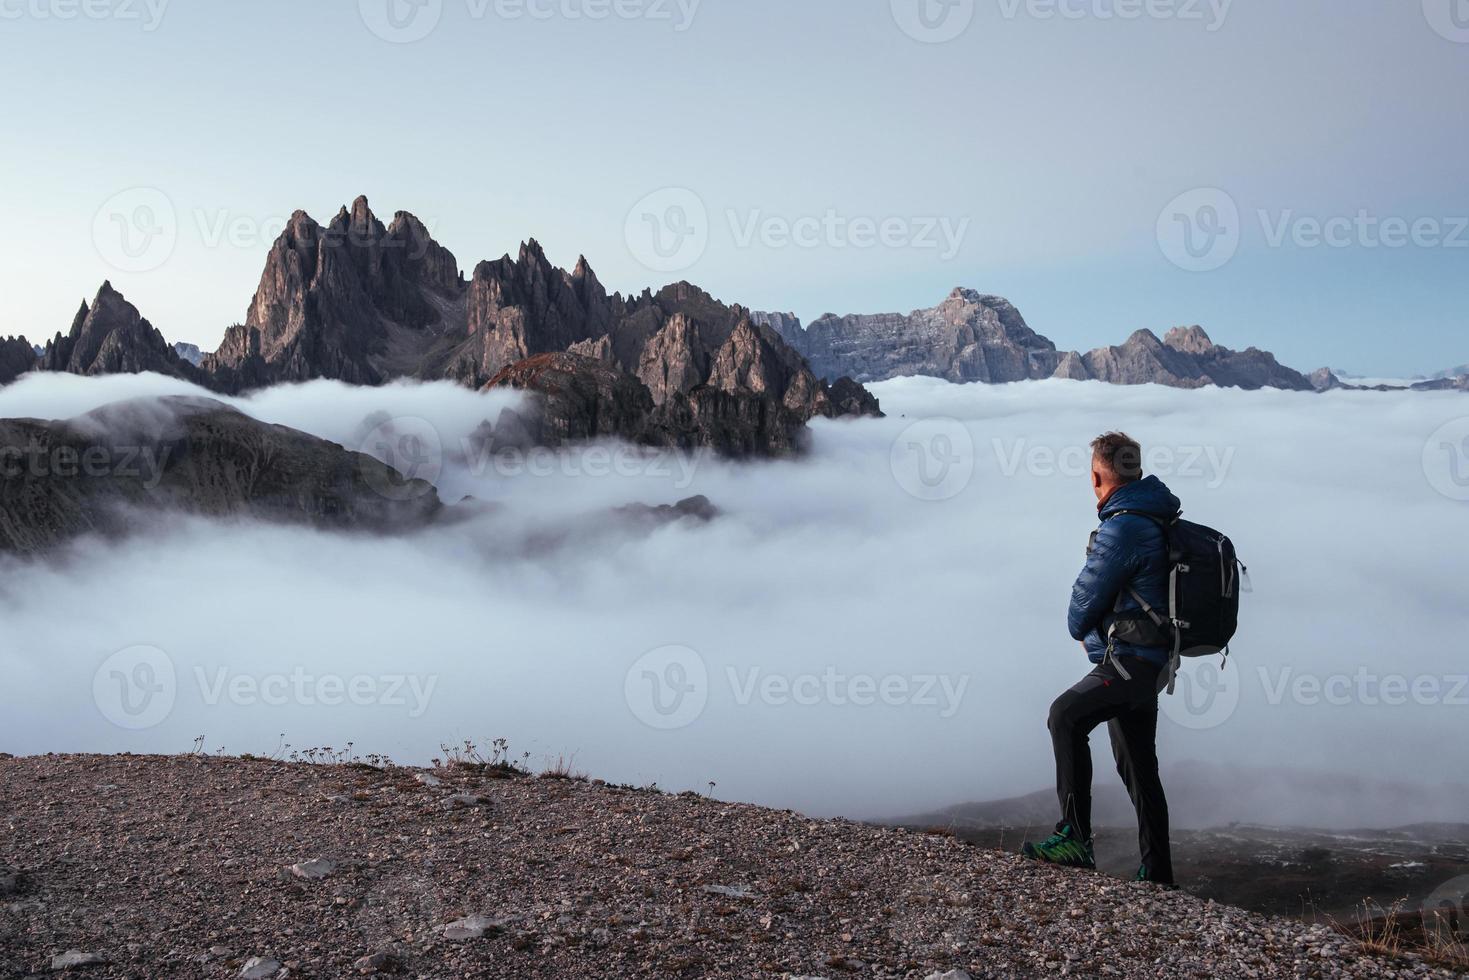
[(1096, 479)]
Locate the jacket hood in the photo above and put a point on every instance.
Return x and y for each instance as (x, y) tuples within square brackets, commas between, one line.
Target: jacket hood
[(1148, 495)]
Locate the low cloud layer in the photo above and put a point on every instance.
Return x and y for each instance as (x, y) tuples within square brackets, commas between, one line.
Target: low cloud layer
[(876, 629)]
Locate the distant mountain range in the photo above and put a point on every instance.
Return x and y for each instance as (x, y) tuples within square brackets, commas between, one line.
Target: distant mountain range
[(973, 337), (366, 303)]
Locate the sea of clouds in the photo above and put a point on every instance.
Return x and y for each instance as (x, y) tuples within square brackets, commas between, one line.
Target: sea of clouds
[(876, 629)]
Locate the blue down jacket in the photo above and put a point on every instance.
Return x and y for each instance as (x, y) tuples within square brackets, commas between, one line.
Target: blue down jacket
[(1128, 550)]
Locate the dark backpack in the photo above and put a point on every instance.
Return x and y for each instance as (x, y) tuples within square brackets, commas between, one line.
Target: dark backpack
[(1204, 584)]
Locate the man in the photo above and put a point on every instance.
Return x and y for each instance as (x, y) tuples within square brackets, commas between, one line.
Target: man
[(1127, 559)]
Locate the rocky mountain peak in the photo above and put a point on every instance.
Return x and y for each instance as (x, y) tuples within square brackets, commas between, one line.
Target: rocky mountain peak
[(17, 356), (674, 360), (1190, 340), (110, 336)]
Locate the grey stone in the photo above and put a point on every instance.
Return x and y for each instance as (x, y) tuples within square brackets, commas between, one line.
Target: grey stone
[(74, 959), (313, 870), (473, 927), (259, 968)]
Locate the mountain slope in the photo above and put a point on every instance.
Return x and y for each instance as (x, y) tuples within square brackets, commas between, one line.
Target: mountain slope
[(344, 870), (120, 467)]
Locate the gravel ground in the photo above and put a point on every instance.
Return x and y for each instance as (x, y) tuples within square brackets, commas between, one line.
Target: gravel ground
[(150, 867)]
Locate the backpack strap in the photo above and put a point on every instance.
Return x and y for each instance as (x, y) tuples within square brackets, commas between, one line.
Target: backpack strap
[(1169, 622)]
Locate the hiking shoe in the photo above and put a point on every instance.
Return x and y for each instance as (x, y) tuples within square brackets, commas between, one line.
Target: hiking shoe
[(1146, 875), (1063, 847)]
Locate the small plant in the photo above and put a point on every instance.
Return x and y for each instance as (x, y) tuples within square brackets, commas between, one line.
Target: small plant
[(467, 755), (561, 767)]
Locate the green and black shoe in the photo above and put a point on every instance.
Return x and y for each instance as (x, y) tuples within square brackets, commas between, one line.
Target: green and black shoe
[(1146, 874), (1064, 847)]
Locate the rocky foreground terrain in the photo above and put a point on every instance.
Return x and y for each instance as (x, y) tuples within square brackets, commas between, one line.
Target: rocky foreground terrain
[(194, 866)]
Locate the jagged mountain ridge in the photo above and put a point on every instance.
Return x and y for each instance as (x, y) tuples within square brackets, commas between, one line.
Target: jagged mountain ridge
[(972, 336), (366, 303)]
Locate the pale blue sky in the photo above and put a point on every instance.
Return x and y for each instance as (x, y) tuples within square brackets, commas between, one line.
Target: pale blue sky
[(1059, 140)]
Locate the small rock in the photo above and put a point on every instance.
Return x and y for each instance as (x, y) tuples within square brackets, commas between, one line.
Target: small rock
[(951, 975), (372, 962), (313, 870), (218, 953), (75, 958), (473, 927), (9, 882), (465, 800), (730, 891), (259, 968)]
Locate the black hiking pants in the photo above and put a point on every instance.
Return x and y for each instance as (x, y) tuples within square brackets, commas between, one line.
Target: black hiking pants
[(1130, 709)]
